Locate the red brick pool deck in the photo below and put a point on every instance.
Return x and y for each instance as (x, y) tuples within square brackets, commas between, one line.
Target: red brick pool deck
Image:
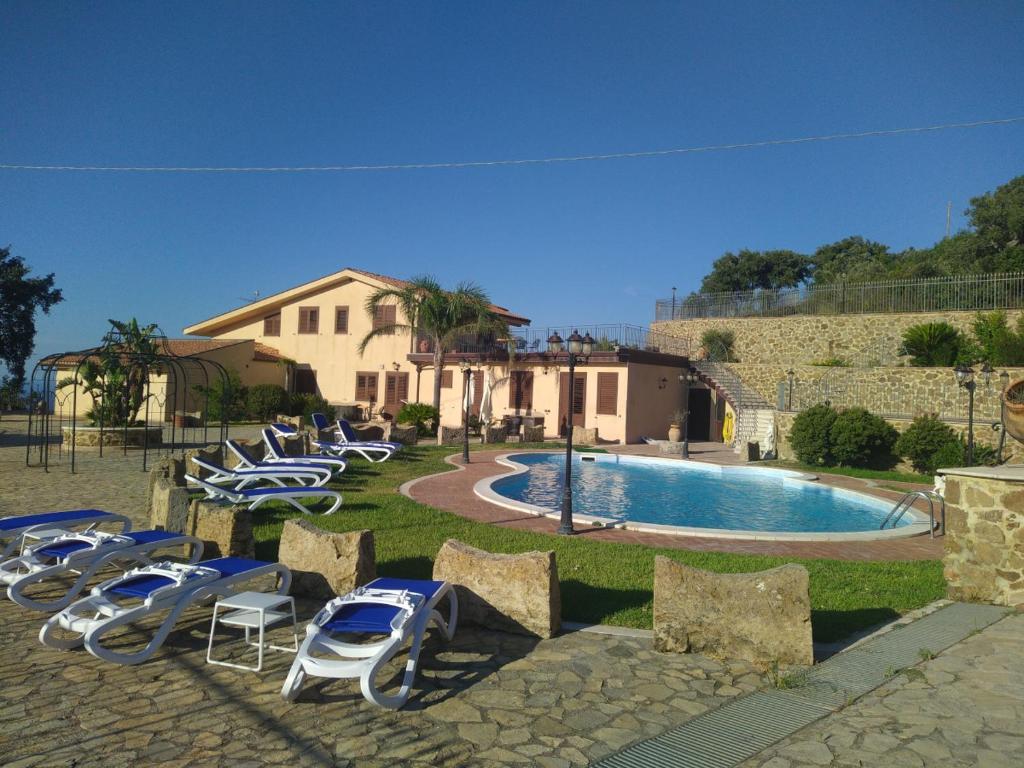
[(453, 492)]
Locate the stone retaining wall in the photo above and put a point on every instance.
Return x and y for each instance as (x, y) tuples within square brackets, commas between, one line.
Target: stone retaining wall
[(984, 557), (861, 339)]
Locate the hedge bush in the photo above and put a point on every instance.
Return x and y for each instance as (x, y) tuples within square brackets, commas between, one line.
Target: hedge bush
[(933, 344), (810, 435), (305, 405), (858, 438), (922, 442), (718, 344), (265, 401)]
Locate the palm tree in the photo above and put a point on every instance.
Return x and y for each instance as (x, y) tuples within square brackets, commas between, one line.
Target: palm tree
[(439, 315)]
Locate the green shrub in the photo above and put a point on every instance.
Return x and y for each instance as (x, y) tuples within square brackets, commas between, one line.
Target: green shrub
[(922, 441), (858, 438), (220, 394), (932, 344), (425, 416), (305, 405), (953, 454), (718, 344), (265, 401), (997, 343), (810, 435), (832, 362)]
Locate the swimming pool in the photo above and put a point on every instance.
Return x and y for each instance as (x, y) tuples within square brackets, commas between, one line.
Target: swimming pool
[(672, 496)]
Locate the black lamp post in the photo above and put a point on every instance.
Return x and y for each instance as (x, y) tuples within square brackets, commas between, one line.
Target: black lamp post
[(466, 370), (965, 378), (579, 349)]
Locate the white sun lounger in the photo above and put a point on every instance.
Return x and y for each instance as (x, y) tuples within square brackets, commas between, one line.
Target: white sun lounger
[(83, 554), (278, 475), (247, 461), (283, 430), (256, 497), (371, 451), (49, 525), (170, 587), (276, 454), (398, 609), (348, 435)]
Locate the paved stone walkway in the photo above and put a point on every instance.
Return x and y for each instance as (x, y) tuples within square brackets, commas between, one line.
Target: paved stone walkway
[(963, 708)]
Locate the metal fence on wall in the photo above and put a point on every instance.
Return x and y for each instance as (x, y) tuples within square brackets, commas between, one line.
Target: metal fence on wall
[(932, 294)]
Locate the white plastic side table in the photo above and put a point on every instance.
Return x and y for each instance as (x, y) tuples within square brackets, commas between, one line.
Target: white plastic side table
[(253, 610)]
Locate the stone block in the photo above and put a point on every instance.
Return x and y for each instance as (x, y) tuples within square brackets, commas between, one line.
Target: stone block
[(211, 453), (291, 421), (406, 434), (533, 434), (226, 530), (326, 564), (295, 445), (495, 434), (169, 505), (510, 593), (761, 617), (451, 435), (584, 435), (368, 431)]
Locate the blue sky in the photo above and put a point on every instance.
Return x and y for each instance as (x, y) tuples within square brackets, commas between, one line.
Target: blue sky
[(260, 83)]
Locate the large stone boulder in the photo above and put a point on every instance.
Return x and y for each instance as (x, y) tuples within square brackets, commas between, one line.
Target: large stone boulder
[(326, 564), (225, 530), (495, 433), (451, 435), (584, 435), (367, 432), (295, 445), (406, 434), (533, 434), (761, 617), (511, 593), (169, 505)]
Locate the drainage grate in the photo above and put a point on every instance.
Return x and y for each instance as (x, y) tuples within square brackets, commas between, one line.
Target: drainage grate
[(737, 731)]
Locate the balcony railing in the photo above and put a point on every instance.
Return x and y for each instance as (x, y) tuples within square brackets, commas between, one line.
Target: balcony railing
[(607, 338)]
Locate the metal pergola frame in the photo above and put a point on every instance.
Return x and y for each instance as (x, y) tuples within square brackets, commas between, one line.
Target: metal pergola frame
[(43, 382)]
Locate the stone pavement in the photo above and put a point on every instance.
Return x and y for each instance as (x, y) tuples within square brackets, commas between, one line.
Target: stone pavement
[(965, 707)]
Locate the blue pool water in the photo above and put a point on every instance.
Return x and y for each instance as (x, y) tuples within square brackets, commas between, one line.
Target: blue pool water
[(673, 493)]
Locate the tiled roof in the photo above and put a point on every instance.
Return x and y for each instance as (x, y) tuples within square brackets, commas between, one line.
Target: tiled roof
[(266, 353)]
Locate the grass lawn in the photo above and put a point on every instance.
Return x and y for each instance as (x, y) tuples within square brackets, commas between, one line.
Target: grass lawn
[(864, 474), (601, 582)]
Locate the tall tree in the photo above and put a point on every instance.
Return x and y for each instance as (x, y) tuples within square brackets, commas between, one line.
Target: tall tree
[(440, 315), (20, 297), (852, 260), (749, 270)]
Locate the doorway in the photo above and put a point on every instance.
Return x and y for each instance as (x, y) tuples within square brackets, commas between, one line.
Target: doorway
[(700, 415)]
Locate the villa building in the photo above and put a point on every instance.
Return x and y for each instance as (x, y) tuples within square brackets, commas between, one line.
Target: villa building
[(317, 327)]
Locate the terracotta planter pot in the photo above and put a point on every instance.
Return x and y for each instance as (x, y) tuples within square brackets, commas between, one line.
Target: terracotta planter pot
[(1015, 410), (675, 433)]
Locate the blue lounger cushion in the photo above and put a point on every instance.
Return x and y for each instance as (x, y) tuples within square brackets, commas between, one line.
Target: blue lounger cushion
[(63, 549), (143, 586), (375, 618), (284, 428), (47, 518), (151, 537)]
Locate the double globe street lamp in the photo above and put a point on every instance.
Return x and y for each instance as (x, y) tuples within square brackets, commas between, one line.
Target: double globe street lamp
[(579, 349), (965, 379)]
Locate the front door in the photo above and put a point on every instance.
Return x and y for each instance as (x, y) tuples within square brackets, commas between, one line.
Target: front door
[(579, 400), (396, 391), (700, 415)]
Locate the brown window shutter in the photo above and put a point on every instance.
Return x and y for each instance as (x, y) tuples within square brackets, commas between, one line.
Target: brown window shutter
[(403, 387), (272, 325), (607, 393), (341, 319), (385, 316), (309, 319), (305, 381), (366, 386), (447, 377)]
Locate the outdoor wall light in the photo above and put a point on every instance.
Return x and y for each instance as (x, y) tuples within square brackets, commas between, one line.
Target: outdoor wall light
[(663, 382)]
